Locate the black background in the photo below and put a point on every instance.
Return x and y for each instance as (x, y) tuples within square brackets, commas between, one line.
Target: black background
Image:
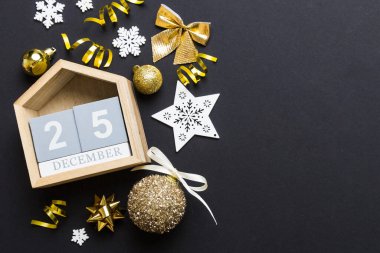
[(297, 166)]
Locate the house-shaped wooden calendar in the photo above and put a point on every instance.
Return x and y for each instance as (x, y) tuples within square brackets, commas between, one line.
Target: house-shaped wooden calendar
[(70, 97)]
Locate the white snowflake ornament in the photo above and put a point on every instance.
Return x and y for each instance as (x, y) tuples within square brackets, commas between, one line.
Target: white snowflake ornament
[(48, 12), (79, 236), (189, 116), (85, 5), (129, 41)]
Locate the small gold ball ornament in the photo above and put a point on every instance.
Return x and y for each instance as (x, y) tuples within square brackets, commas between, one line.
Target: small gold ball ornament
[(156, 204), (147, 79), (35, 62)]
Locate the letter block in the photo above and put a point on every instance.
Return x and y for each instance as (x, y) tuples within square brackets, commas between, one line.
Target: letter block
[(100, 124), (55, 135)]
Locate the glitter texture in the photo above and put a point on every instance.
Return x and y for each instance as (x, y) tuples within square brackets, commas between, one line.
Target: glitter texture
[(156, 204), (147, 79)]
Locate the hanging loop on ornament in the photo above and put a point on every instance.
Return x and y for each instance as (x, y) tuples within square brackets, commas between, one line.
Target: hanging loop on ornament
[(50, 211), (90, 52), (122, 6), (194, 73), (167, 168)]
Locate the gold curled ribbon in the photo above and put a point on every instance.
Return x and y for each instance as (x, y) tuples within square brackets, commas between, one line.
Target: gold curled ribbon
[(178, 36), (194, 73), (51, 211), (90, 52), (122, 6), (166, 167)]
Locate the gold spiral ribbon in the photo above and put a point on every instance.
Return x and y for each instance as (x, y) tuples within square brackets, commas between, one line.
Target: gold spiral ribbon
[(90, 52), (194, 73), (122, 6), (51, 211)]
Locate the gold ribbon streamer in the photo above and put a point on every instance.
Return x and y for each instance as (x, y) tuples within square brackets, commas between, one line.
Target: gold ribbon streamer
[(166, 167), (178, 36), (90, 52), (194, 73), (122, 6), (51, 211)]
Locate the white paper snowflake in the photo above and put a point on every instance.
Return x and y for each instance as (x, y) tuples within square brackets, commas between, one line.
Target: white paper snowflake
[(129, 41), (48, 13), (79, 236), (85, 5)]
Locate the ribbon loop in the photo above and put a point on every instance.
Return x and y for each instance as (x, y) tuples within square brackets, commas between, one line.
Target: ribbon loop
[(166, 167), (178, 36), (90, 52), (122, 6), (50, 211)]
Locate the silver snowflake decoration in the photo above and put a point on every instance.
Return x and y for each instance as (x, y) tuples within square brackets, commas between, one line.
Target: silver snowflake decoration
[(79, 236), (48, 12), (189, 116), (85, 5), (129, 41)]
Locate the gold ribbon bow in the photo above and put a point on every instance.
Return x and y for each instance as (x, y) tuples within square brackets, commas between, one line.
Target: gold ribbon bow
[(166, 167), (178, 36), (122, 6), (90, 52), (50, 211)]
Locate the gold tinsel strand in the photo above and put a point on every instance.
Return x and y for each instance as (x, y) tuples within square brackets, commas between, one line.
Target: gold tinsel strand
[(156, 204)]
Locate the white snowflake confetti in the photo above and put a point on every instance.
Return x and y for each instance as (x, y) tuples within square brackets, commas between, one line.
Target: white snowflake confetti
[(129, 41), (189, 116), (85, 5), (79, 236), (48, 13)]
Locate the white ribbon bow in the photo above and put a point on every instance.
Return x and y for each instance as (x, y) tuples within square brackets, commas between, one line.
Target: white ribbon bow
[(167, 168)]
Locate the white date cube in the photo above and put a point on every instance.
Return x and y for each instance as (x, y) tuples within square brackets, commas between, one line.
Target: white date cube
[(100, 124), (55, 135)]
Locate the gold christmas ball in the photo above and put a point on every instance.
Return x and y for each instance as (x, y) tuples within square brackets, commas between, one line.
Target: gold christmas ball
[(156, 204), (147, 79), (35, 62)]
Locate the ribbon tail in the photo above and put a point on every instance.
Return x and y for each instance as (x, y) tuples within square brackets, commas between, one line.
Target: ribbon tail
[(165, 42), (186, 51)]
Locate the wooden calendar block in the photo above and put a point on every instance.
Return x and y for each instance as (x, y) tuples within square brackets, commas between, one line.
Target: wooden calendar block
[(100, 124), (55, 135)]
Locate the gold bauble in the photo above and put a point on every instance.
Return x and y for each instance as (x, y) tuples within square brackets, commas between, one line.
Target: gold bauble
[(35, 62), (147, 79), (156, 204)]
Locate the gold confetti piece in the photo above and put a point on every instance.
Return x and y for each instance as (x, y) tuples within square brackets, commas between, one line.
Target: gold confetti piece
[(122, 6), (50, 211), (90, 52), (178, 36), (194, 73)]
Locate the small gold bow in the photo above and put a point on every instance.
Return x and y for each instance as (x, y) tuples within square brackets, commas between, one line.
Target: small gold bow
[(178, 36)]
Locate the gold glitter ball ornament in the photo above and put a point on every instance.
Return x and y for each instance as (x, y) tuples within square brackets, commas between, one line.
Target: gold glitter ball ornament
[(147, 79), (35, 62), (156, 204)]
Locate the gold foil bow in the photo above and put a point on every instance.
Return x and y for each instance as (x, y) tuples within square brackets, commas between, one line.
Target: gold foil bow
[(90, 52), (178, 36), (122, 6), (50, 211), (194, 73), (104, 212)]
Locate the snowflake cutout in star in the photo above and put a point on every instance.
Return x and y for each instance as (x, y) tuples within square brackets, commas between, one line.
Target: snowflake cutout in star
[(167, 115), (182, 137), (206, 128), (85, 5), (79, 236), (190, 116), (129, 41), (48, 13), (182, 95), (207, 103)]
